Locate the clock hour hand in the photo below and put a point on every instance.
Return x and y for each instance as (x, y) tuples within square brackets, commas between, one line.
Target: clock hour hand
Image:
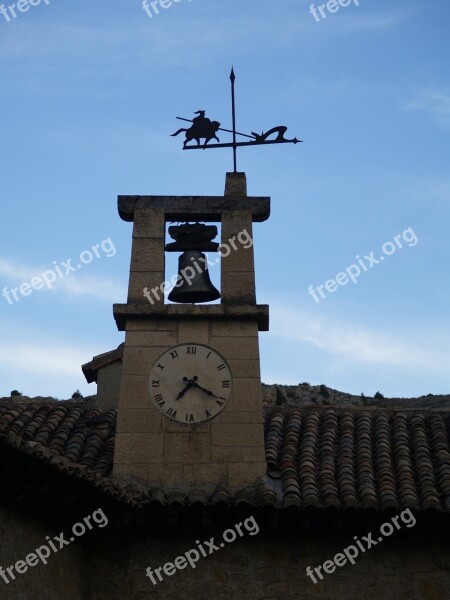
[(204, 390), (182, 393), (189, 383)]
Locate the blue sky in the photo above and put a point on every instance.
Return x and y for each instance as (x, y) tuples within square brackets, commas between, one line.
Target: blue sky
[(89, 94)]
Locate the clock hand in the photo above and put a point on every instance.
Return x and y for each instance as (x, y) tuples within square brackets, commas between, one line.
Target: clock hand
[(182, 393), (204, 390), (189, 383)]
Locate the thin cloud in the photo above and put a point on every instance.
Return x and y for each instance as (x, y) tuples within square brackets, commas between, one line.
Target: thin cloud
[(73, 285), (32, 358), (165, 45), (358, 19), (358, 344), (435, 103), (360, 23), (40, 364), (47, 368)]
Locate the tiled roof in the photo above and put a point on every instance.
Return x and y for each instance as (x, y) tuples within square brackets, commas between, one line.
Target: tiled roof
[(74, 431), (73, 438), (361, 458)]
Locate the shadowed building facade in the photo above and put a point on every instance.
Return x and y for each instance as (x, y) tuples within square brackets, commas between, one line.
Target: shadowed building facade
[(331, 474)]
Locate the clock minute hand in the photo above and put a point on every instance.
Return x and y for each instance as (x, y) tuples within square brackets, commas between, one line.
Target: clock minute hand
[(204, 390)]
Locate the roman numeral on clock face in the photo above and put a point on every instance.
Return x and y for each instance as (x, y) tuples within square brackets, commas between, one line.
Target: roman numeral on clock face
[(174, 354), (226, 383), (189, 418), (155, 382), (191, 350), (159, 400), (171, 412), (221, 367)]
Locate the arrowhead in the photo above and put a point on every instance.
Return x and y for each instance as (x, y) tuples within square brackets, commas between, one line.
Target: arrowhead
[(232, 75)]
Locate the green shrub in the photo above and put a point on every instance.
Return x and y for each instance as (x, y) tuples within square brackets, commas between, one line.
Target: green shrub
[(323, 391), (280, 397)]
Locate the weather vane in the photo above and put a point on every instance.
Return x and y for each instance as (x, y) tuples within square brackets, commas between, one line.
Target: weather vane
[(204, 128)]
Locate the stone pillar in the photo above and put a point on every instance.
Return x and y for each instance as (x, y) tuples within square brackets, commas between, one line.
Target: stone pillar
[(238, 263), (147, 254)]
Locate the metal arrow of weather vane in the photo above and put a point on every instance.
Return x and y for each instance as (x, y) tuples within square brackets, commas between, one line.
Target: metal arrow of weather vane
[(204, 129)]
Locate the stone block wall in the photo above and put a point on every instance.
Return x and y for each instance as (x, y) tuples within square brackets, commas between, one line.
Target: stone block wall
[(111, 565), (108, 386), (64, 576), (259, 568), (154, 449)]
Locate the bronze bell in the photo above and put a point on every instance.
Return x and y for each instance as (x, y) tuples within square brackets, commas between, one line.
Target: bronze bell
[(193, 284)]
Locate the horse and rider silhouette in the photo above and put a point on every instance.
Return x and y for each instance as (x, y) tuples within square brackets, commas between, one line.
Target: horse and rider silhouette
[(202, 128)]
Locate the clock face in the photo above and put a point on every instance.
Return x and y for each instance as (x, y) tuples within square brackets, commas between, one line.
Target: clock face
[(190, 383)]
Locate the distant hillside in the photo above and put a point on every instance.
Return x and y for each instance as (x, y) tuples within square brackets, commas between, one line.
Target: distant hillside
[(44, 399), (303, 393), (300, 395)]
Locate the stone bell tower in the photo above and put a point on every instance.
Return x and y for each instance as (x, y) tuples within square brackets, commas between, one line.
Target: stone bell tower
[(202, 448)]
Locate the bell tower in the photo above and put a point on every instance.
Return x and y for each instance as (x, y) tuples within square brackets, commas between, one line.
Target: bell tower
[(190, 408)]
